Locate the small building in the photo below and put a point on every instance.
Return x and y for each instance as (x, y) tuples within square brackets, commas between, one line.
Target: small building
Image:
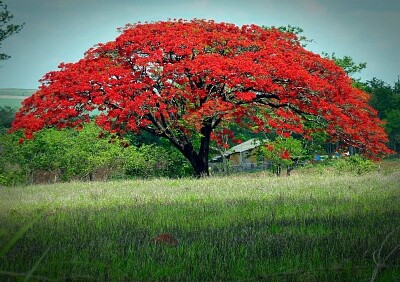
[(241, 157)]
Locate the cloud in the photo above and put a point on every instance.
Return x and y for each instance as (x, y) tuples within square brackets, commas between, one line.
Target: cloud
[(314, 6)]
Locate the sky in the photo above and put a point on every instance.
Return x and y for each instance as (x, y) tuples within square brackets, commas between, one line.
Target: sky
[(58, 31)]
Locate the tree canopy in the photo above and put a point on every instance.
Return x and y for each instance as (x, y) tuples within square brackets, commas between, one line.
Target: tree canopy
[(188, 81)]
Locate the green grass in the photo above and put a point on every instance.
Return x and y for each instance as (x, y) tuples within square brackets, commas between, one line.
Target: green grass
[(308, 227)]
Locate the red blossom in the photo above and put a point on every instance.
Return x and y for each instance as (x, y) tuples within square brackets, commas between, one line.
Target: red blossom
[(285, 155), (269, 147)]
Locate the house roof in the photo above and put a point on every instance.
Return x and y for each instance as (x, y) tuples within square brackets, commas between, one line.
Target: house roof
[(245, 146)]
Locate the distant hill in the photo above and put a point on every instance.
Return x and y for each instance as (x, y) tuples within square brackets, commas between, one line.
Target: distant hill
[(16, 92), (12, 97)]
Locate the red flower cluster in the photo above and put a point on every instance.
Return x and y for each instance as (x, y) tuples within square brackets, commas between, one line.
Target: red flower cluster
[(285, 155)]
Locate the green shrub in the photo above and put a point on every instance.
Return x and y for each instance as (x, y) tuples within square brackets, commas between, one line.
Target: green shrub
[(69, 153), (155, 161), (282, 152), (11, 177), (355, 164)]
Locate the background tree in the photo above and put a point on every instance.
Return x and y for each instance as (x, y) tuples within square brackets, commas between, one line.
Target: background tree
[(283, 152), (346, 63), (6, 29), (386, 100), (187, 81), (6, 117), (298, 31)]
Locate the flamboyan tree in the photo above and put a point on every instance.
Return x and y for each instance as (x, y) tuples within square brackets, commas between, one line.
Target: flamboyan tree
[(188, 81)]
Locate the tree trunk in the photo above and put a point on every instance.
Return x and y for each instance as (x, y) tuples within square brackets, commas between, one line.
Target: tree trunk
[(201, 167), (278, 170), (199, 160)]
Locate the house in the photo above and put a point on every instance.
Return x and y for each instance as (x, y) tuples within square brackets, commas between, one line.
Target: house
[(241, 157), (246, 156)]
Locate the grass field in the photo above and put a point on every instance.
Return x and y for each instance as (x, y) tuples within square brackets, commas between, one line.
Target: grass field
[(307, 227)]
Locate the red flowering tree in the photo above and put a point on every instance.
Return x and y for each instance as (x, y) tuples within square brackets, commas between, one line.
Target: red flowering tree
[(188, 80)]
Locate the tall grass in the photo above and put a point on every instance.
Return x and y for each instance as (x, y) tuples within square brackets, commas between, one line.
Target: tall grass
[(307, 227)]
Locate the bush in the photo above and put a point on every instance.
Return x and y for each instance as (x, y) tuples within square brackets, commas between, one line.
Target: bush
[(67, 154), (11, 177), (155, 161), (6, 117), (282, 151), (354, 164)]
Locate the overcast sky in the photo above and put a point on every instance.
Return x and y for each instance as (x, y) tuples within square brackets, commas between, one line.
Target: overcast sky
[(62, 30)]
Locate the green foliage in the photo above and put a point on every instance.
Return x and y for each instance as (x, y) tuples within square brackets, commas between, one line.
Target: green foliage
[(152, 156), (347, 63), (155, 161), (383, 96), (283, 152), (11, 176), (393, 128), (6, 117), (298, 31), (355, 164), (68, 153), (386, 100), (316, 145), (10, 170)]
